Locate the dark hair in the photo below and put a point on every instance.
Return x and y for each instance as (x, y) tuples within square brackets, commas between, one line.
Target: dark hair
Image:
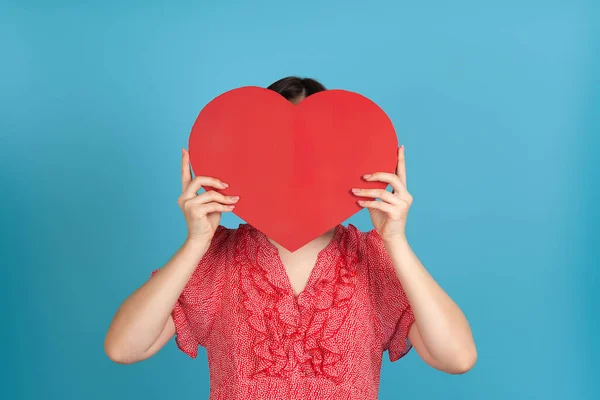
[(293, 86)]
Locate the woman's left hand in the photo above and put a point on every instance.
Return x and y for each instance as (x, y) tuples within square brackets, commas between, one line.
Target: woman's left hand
[(389, 214)]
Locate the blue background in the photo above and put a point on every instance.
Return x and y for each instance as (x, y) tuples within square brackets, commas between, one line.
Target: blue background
[(497, 105)]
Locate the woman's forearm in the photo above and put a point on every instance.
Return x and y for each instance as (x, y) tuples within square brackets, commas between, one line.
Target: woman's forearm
[(442, 326), (141, 318)]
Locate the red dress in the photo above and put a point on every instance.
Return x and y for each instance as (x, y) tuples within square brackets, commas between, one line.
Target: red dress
[(263, 342)]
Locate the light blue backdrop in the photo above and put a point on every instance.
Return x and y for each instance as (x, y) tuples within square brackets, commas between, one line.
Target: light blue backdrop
[(497, 105)]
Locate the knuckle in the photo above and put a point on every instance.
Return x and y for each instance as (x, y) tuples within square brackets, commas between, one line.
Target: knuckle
[(187, 204)]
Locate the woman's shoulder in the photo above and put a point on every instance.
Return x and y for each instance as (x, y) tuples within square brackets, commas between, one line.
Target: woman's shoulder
[(226, 239), (360, 241)]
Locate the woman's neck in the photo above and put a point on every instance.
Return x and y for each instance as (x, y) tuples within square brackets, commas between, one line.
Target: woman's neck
[(314, 246)]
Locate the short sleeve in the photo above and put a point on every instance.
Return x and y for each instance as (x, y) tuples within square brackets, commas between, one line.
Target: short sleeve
[(393, 309), (199, 302)]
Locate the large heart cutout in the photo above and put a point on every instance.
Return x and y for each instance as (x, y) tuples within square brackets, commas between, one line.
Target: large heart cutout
[(293, 166)]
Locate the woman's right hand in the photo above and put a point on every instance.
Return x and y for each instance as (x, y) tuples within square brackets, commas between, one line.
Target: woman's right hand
[(202, 212)]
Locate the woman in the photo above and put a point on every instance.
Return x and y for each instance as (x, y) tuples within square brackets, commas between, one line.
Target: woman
[(312, 324)]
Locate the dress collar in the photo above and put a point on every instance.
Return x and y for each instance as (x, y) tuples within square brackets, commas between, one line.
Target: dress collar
[(291, 331)]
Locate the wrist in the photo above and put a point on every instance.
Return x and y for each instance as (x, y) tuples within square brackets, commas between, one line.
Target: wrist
[(396, 243), (196, 245)]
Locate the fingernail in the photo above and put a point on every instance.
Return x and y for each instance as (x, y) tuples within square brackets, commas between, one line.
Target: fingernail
[(224, 184), (234, 197), (367, 176), (231, 207), (402, 147), (355, 190)]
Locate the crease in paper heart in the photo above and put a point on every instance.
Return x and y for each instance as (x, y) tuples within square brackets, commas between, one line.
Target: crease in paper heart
[(293, 166)]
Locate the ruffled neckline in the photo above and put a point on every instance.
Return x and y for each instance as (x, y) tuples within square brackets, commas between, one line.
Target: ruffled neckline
[(276, 269), (295, 330)]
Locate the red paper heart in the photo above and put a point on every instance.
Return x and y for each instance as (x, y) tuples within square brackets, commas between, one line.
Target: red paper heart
[(293, 166)]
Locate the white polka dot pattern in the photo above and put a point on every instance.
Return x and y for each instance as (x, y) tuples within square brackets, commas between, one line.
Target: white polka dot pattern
[(263, 342)]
